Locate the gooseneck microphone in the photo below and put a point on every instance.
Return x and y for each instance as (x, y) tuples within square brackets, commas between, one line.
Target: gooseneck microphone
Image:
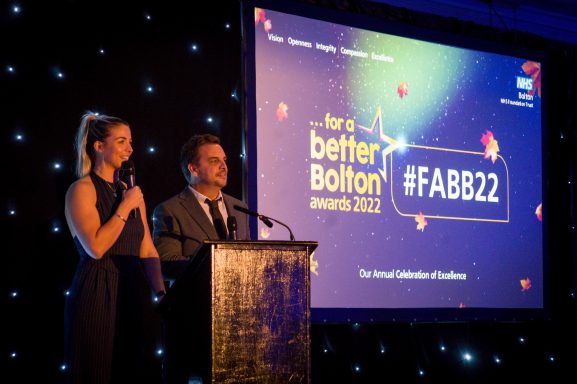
[(231, 226), (128, 176), (264, 219)]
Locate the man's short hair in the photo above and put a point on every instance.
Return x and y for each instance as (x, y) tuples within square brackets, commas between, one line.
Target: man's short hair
[(189, 151)]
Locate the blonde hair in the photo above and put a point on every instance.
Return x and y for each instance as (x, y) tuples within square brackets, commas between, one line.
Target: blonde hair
[(93, 127)]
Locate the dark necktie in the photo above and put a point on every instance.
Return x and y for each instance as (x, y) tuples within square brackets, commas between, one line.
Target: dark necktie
[(217, 219)]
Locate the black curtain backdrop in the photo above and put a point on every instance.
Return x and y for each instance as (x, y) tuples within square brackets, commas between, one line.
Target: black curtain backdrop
[(109, 54)]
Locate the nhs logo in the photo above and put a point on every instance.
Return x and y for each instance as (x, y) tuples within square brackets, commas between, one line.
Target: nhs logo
[(525, 83)]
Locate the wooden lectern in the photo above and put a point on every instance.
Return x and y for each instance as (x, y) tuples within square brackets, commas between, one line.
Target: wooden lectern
[(240, 313)]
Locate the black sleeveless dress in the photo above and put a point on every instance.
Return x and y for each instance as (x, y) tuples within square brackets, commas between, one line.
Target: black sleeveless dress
[(103, 322)]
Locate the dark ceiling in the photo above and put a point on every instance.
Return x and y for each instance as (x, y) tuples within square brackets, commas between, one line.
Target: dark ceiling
[(552, 19)]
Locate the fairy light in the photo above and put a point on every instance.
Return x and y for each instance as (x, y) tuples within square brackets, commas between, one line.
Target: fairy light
[(467, 357)]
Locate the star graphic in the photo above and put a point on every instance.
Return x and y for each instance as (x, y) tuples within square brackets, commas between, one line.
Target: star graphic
[(393, 144)]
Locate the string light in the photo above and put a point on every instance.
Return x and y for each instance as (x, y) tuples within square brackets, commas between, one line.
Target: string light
[(467, 357)]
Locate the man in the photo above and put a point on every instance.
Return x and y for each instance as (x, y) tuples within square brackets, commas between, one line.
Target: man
[(181, 224)]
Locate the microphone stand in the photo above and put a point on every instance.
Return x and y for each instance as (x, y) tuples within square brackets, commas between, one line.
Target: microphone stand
[(264, 219)]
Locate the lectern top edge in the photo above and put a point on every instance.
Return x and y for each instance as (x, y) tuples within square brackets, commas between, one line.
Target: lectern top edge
[(312, 245)]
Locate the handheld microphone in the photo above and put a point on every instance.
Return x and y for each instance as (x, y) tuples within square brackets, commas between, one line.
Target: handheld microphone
[(264, 219), (127, 176), (231, 226)]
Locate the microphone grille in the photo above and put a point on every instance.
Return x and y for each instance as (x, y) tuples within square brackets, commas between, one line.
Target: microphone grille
[(128, 167), (127, 173)]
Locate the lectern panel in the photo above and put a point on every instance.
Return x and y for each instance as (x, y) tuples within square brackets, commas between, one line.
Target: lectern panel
[(240, 313), (260, 315)]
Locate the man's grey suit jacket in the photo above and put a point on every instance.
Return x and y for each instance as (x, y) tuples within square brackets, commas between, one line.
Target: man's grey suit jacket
[(180, 225)]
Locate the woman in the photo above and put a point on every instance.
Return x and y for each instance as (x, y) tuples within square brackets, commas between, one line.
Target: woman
[(103, 318)]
